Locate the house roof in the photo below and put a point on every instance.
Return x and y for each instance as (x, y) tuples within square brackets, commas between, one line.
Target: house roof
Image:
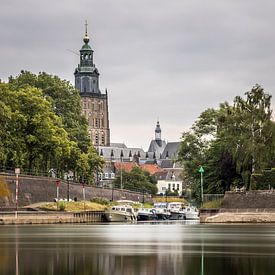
[(151, 168), (125, 166)]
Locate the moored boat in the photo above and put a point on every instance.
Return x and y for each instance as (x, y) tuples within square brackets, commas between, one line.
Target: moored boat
[(120, 213), (162, 212), (146, 214), (176, 210), (191, 213)]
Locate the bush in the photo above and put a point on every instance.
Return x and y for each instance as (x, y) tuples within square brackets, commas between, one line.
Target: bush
[(4, 189), (61, 206)]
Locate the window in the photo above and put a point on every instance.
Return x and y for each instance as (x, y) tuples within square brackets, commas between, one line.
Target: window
[(163, 188), (96, 123), (178, 186), (169, 186), (106, 176), (102, 139), (96, 139)]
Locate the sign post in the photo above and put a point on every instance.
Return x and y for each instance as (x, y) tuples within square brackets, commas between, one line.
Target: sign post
[(201, 171), (57, 192), (17, 172), (83, 190)]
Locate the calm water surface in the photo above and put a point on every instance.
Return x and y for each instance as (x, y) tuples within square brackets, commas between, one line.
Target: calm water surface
[(147, 248)]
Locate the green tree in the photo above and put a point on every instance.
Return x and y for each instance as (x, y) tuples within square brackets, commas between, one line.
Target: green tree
[(231, 143), (65, 102), (137, 180)]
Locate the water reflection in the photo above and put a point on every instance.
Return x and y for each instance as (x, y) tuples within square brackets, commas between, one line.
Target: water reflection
[(175, 248)]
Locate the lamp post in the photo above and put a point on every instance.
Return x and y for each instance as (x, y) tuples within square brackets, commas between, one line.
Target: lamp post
[(121, 159), (84, 199), (112, 191), (57, 192), (17, 172), (201, 171), (68, 187)]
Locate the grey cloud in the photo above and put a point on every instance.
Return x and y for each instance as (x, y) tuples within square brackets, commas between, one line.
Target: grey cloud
[(166, 59)]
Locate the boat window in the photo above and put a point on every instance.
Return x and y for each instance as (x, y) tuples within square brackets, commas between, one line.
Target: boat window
[(113, 208), (122, 209), (128, 210)]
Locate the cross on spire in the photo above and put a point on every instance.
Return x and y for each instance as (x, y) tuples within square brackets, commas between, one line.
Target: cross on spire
[(86, 27)]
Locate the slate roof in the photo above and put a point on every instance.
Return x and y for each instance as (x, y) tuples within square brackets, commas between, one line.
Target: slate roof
[(157, 147), (113, 153), (171, 150), (118, 145), (169, 175)]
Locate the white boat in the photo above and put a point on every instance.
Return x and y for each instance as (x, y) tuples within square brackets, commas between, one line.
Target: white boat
[(191, 213), (146, 214), (176, 210), (120, 213), (161, 211)]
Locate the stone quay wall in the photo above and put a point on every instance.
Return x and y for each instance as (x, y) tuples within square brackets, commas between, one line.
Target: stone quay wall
[(38, 217), (243, 207), (43, 189)]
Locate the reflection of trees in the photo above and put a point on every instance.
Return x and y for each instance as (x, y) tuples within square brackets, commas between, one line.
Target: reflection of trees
[(41, 252)]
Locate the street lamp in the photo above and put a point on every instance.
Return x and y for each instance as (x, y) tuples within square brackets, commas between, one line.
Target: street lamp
[(68, 187), (121, 159), (201, 171), (17, 172)]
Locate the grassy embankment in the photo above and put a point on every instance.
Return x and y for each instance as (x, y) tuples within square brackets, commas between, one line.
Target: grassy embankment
[(212, 204), (99, 204)]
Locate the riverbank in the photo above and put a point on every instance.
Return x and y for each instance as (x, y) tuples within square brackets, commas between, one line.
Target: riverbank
[(243, 207), (39, 217), (239, 217)]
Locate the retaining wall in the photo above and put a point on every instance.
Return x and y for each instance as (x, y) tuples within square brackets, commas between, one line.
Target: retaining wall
[(43, 189)]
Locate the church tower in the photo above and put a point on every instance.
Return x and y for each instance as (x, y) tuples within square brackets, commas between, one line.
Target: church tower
[(94, 103)]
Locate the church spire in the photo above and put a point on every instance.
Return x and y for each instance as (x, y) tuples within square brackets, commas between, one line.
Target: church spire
[(86, 38), (158, 132)]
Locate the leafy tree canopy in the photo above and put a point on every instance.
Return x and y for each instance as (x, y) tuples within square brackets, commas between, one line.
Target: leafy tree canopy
[(231, 143)]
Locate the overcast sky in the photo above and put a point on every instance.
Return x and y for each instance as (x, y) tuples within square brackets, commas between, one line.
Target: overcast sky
[(166, 60)]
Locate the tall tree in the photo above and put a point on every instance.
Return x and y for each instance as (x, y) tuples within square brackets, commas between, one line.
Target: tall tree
[(231, 142)]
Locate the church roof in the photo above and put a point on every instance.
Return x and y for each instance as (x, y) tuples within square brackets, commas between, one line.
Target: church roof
[(113, 152), (157, 146), (86, 47), (171, 150), (118, 145)]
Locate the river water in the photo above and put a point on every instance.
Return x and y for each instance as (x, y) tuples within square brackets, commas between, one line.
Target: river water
[(145, 248)]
